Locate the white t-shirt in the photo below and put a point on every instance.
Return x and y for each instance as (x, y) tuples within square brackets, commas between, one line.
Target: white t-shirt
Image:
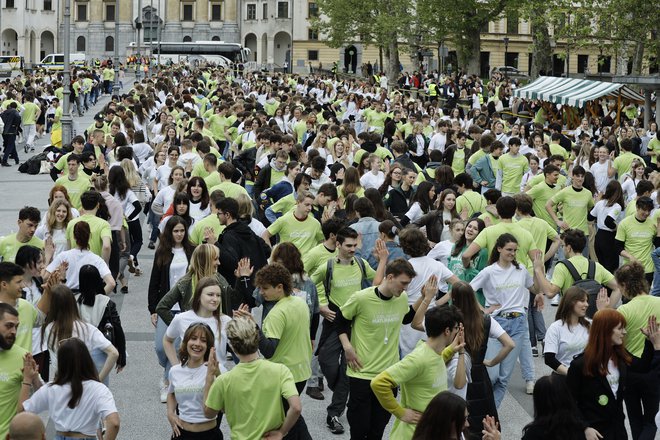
[(613, 376), (127, 202), (371, 180), (182, 321), (78, 258), (414, 212), (565, 342), (187, 384), (442, 251), (178, 268), (95, 404), (601, 211), (163, 176), (257, 227), (59, 237), (90, 335), (164, 198), (142, 151), (508, 287), (194, 158), (197, 213), (599, 171), (424, 267)]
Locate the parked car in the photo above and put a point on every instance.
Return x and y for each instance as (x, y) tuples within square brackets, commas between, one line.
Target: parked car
[(509, 71)]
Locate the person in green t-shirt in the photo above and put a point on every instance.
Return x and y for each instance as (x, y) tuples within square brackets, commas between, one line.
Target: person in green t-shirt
[(469, 202), (273, 406), (636, 236), (29, 116), (75, 183), (422, 374), (544, 191), (28, 220), (512, 165), (576, 201), (373, 317), (100, 239), (298, 226)]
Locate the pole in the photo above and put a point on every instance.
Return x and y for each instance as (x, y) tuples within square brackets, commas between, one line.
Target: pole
[(138, 25), (67, 120), (506, 55), (115, 86), (159, 35), (151, 31)]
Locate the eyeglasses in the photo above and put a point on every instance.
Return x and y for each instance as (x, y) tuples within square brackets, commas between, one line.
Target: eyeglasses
[(396, 173)]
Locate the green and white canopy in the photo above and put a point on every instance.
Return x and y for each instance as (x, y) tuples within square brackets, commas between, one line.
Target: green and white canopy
[(574, 92)]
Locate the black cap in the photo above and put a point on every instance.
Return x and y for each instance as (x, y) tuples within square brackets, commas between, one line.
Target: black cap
[(98, 117)]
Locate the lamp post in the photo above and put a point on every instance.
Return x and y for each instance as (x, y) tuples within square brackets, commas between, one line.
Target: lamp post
[(506, 55), (138, 26), (67, 120), (115, 86)]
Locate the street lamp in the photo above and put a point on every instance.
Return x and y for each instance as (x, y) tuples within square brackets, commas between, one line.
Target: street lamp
[(115, 86), (138, 26), (67, 120), (506, 55)]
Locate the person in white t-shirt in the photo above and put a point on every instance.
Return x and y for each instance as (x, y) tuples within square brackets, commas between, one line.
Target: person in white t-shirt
[(506, 286), (185, 398), (64, 322), (205, 308), (75, 400), (375, 177), (568, 335), (414, 243), (602, 170)]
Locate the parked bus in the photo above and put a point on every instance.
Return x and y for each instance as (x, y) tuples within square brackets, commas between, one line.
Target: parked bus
[(197, 52)]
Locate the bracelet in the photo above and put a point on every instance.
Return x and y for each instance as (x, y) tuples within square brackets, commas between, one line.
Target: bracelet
[(461, 352), (28, 384)]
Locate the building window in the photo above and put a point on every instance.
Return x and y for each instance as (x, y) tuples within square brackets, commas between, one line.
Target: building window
[(80, 44), (215, 38), (604, 64), (251, 12), (48, 5), (282, 9), (312, 34), (9, 4), (312, 55), (81, 12), (264, 11), (187, 12), (187, 39), (216, 12), (312, 10), (512, 19), (109, 44), (583, 63), (109, 12)]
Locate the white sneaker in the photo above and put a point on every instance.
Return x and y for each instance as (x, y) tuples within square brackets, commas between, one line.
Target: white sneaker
[(529, 387), (555, 301), (163, 391)]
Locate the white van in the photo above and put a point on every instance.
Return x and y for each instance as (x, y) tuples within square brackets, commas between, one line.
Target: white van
[(55, 61)]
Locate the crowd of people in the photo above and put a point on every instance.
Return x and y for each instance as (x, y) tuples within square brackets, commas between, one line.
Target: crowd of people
[(313, 232)]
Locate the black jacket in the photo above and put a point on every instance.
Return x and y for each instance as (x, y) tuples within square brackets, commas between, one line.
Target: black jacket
[(239, 241), (397, 202), (12, 120), (159, 282), (598, 407)]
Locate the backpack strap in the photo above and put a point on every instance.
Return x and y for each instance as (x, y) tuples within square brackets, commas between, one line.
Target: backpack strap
[(360, 263), (572, 270), (591, 272)]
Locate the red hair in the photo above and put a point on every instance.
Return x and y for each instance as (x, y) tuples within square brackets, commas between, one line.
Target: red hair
[(600, 349)]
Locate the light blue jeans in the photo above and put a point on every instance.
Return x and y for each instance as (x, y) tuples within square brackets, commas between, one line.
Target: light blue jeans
[(61, 437), (161, 328), (655, 256), (99, 358), (518, 330)]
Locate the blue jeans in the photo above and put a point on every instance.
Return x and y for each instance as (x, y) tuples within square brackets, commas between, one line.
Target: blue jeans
[(99, 358), (161, 328), (655, 256), (61, 437), (500, 375), (153, 220)]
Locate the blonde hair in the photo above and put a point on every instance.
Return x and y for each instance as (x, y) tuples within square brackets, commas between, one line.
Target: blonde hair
[(243, 335), (100, 182), (131, 173), (245, 206), (51, 213)]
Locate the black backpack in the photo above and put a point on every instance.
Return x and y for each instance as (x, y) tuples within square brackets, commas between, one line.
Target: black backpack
[(588, 284), (33, 164)]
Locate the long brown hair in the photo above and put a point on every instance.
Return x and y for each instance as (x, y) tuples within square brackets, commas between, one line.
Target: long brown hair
[(600, 349), (568, 299), (196, 327), (463, 297), (51, 213), (74, 366), (63, 314)]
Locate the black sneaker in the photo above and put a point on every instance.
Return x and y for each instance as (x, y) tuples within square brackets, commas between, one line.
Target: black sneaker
[(321, 387), (314, 393), (535, 352), (334, 425)]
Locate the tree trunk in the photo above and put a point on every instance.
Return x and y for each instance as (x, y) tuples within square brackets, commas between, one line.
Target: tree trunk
[(638, 57), (392, 52), (541, 50), (469, 49)]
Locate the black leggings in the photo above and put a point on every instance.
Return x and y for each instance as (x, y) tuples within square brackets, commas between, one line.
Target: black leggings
[(299, 430), (211, 434), (605, 247), (135, 232)]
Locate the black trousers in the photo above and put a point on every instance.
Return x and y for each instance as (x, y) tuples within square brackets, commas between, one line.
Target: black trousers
[(366, 417), (211, 434), (333, 366), (641, 397), (299, 430), (604, 246), (135, 233), (113, 263)]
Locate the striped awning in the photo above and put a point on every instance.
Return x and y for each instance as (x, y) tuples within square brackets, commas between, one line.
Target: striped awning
[(574, 92)]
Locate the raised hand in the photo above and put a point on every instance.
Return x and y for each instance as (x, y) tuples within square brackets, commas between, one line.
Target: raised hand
[(430, 289), (244, 269)]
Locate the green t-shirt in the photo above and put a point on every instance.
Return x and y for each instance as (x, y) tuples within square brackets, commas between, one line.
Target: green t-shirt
[(562, 278), (200, 171), (541, 231), (210, 221), (267, 383), (9, 246), (513, 168), (29, 115), (556, 149), (317, 256), (346, 280), (288, 321), (27, 317), (284, 205), (230, 189), (305, 234), (474, 202), (458, 162), (99, 230), (574, 207), (638, 239), (57, 125), (11, 378), (212, 179), (488, 237), (477, 264), (476, 156), (654, 145), (421, 375), (637, 312), (540, 177), (375, 330), (376, 120), (623, 162), (75, 188), (540, 195)]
